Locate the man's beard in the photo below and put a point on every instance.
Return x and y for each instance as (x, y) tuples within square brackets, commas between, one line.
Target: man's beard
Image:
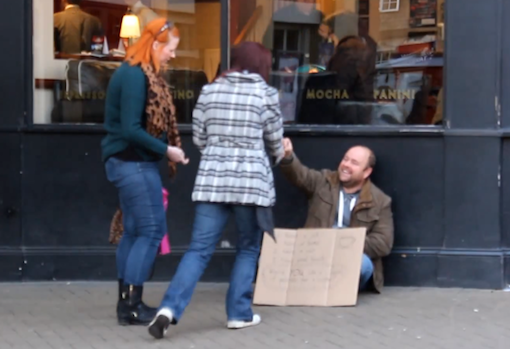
[(351, 183)]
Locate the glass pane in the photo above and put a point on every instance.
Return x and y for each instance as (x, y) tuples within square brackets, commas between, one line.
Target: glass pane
[(279, 40), (292, 40), (352, 63), (77, 48)]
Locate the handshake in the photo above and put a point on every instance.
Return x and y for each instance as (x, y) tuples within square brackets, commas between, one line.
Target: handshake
[(177, 154)]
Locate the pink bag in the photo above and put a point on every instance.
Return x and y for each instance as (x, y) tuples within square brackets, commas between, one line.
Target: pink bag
[(164, 247)]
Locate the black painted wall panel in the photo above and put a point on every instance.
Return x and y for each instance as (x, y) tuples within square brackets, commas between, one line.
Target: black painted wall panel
[(70, 203), (11, 267), (506, 281), (505, 193), (472, 206), (485, 272), (472, 62), (10, 189), (409, 169), (505, 65), (411, 270), (58, 266), (12, 84)]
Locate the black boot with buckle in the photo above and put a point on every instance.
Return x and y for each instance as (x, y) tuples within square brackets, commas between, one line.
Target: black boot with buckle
[(123, 316), (131, 310)]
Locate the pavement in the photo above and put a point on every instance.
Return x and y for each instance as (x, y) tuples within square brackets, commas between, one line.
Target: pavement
[(82, 316)]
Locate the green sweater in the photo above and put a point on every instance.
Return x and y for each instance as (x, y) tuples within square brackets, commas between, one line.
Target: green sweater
[(125, 116)]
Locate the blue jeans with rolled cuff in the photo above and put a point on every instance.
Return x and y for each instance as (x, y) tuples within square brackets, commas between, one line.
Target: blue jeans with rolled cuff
[(367, 270), (144, 219)]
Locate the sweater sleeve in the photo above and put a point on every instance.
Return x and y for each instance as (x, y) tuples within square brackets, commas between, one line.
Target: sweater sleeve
[(133, 97)]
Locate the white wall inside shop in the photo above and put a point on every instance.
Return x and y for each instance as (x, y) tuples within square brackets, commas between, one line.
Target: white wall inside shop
[(45, 65)]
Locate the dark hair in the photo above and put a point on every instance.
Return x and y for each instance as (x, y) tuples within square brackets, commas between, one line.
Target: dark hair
[(371, 158), (371, 155), (251, 56)]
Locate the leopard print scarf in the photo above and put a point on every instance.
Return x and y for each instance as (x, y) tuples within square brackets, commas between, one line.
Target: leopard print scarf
[(160, 115)]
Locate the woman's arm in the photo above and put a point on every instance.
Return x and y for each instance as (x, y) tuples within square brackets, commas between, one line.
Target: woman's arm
[(273, 125), (133, 98)]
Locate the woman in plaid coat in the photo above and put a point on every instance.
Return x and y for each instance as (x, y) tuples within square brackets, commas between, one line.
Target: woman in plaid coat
[(236, 118)]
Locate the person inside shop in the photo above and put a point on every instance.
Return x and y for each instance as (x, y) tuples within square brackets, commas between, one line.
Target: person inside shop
[(141, 130), (350, 75), (144, 13), (347, 198), (328, 42), (75, 28)]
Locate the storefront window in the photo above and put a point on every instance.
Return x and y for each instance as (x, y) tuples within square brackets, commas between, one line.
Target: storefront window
[(358, 62), (73, 63)]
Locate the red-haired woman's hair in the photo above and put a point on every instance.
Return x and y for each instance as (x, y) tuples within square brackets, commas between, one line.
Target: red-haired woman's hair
[(252, 57), (141, 51)]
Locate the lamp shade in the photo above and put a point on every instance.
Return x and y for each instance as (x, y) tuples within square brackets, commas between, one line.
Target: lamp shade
[(130, 27)]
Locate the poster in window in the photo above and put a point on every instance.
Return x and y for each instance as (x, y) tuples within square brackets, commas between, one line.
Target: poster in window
[(423, 13)]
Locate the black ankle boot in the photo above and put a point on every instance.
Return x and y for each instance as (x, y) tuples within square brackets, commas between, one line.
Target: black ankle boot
[(123, 315), (139, 313)]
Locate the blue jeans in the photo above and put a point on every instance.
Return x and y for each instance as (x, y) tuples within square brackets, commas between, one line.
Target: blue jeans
[(210, 220), (144, 219), (367, 270)]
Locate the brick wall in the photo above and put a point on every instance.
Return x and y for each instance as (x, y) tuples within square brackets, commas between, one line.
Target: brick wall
[(395, 20)]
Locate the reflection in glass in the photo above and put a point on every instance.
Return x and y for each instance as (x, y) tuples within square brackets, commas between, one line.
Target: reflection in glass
[(292, 40), (79, 44), (357, 63)]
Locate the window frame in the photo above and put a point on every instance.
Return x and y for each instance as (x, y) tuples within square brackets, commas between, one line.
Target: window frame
[(186, 129), (382, 4), (332, 129), (31, 126)]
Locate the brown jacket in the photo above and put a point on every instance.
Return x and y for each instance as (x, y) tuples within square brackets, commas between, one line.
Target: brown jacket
[(372, 210)]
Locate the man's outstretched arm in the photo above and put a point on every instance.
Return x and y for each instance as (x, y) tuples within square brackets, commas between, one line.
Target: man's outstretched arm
[(298, 174)]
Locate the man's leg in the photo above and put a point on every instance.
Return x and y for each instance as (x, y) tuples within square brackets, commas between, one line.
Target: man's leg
[(367, 270)]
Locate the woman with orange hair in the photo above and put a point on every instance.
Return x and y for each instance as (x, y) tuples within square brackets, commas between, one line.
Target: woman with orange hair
[(141, 130)]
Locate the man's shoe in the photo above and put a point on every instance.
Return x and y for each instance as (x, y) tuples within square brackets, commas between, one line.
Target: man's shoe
[(238, 324), (159, 325)]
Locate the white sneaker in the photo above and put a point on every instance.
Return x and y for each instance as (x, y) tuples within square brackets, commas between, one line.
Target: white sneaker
[(159, 326), (238, 324)]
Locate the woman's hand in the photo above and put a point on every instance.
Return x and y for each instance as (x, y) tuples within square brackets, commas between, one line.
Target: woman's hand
[(176, 155)]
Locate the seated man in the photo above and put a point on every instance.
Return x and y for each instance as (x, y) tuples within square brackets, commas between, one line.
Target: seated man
[(347, 198)]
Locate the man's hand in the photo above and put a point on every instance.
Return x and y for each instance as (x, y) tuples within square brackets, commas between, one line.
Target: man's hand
[(287, 146)]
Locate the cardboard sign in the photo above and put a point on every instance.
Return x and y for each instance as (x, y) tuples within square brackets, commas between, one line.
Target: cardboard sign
[(310, 267)]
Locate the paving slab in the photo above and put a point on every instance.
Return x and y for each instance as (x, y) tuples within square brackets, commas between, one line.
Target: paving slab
[(82, 316)]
